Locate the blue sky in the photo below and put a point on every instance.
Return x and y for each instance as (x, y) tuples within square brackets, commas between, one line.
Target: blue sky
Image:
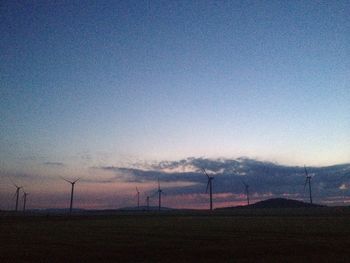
[(118, 82)]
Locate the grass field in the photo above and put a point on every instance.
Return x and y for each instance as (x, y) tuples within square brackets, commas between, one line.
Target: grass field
[(171, 237)]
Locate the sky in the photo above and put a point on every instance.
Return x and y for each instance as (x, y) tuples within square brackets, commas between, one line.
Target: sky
[(86, 85)]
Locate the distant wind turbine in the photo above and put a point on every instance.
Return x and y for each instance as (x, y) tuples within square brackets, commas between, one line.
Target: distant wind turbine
[(138, 197), (72, 192), (246, 189), (25, 194), (210, 186), (17, 195), (308, 181), (160, 192)]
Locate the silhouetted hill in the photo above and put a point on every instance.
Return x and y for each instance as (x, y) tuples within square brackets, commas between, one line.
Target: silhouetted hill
[(281, 203), (56, 211), (277, 203)]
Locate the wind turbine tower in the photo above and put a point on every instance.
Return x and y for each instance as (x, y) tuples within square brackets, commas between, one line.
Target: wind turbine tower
[(25, 194), (138, 198), (72, 193), (17, 195), (308, 181), (160, 192), (246, 187), (210, 186)]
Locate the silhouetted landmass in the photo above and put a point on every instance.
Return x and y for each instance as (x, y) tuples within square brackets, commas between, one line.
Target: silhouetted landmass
[(276, 203), (178, 237), (56, 210)]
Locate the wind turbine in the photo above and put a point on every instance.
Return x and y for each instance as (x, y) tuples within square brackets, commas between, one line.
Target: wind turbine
[(210, 186), (138, 198), (25, 194), (17, 195), (308, 181), (72, 192), (246, 186), (160, 192)]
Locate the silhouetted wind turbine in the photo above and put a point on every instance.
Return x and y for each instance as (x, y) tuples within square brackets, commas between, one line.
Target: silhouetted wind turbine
[(138, 198), (210, 186), (17, 195), (308, 181), (72, 192), (246, 189), (25, 194), (160, 192)]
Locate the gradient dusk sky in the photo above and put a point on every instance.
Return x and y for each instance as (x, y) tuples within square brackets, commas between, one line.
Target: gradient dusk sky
[(88, 84)]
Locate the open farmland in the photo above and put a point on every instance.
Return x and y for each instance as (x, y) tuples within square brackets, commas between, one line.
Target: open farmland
[(177, 237)]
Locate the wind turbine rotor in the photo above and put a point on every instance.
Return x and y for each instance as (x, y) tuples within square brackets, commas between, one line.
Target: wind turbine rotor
[(66, 180), (76, 181), (244, 184), (203, 170)]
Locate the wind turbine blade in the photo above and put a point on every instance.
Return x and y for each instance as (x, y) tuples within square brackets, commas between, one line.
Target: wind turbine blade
[(306, 173), (18, 187), (205, 172), (66, 180), (75, 181), (137, 190), (233, 171), (158, 184), (13, 183)]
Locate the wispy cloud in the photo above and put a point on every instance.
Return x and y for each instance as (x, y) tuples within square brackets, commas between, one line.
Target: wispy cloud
[(263, 177), (185, 184), (54, 164), (13, 176)]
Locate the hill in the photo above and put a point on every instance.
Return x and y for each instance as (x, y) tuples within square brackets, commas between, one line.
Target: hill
[(276, 203)]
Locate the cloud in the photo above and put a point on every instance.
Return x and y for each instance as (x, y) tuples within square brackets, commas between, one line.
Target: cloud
[(14, 176), (185, 184), (139, 175), (54, 164), (344, 186), (262, 177)]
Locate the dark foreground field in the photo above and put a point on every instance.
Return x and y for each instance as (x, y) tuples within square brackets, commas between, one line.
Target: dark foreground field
[(176, 238)]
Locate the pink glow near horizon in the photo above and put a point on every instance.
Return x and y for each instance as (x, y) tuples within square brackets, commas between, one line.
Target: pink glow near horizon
[(54, 193), (112, 200)]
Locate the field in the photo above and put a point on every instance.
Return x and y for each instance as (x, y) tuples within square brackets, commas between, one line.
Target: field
[(177, 237)]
